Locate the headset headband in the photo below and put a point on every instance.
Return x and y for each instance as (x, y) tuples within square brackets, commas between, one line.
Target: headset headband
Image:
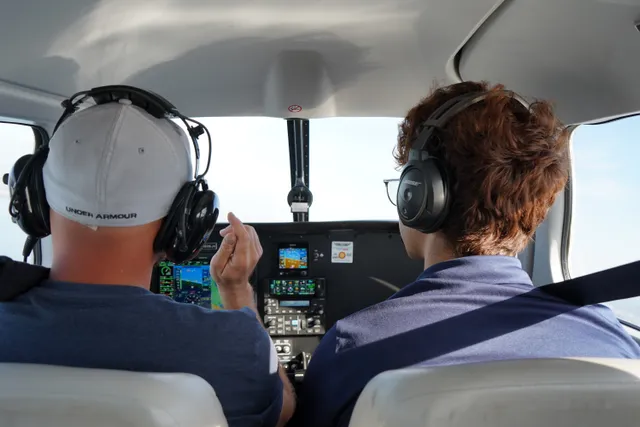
[(441, 116)]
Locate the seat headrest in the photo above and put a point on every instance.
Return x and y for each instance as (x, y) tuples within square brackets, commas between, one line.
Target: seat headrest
[(522, 393), (53, 396)]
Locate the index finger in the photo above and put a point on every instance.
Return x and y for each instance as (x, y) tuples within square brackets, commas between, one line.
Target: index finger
[(223, 255), (238, 227)]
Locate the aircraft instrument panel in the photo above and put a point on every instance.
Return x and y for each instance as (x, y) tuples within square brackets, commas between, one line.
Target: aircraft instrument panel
[(309, 276), (189, 283)]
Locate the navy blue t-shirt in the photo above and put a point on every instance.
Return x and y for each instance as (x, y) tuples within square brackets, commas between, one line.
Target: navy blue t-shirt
[(471, 309), (130, 328)]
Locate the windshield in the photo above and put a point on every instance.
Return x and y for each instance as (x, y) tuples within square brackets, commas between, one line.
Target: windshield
[(349, 159), (249, 167)]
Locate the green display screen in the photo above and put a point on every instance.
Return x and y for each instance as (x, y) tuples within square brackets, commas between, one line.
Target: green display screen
[(189, 283)]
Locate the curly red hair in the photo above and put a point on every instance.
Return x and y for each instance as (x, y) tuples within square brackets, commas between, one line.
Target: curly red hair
[(506, 163)]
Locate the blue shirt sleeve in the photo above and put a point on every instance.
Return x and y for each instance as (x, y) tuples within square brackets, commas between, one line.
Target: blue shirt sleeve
[(252, 392)]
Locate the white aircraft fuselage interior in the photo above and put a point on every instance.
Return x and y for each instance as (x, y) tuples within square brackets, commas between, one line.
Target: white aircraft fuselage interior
[(326, 59)]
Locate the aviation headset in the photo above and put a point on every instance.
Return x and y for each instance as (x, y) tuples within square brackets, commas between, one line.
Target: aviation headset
[(192, 215), (424, 190)]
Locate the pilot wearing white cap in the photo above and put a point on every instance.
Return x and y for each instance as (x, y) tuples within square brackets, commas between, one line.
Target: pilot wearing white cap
[(115, 188)]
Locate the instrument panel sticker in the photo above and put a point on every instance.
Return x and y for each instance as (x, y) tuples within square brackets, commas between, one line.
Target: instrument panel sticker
[(342, 252)]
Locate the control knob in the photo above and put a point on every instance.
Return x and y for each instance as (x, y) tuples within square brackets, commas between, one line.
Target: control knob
[(269, 323), (294, 365), (311, 322)]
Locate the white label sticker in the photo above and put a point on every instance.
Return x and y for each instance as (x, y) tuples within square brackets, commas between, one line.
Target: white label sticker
[(342, 252)]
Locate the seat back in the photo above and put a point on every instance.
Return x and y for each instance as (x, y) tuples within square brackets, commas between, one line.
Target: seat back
[(54, 396), (518, 393)]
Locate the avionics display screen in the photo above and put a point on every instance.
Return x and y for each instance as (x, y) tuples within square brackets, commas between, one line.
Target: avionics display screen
[(304, 287), (292, 257), (295, 303), (189, 283)]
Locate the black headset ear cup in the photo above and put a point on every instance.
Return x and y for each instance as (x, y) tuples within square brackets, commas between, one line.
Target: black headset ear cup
[(199, 210), (423, 195), (30, 209), (202, 219), (168, 236)]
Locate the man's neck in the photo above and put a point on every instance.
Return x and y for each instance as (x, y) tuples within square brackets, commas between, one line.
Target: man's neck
[(436, 249), (102, 271)]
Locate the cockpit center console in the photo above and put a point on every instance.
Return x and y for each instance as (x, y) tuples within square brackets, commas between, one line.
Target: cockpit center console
[(293, 307), (310, 275)]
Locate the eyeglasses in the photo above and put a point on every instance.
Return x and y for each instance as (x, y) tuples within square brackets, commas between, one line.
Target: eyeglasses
[(392, 189)]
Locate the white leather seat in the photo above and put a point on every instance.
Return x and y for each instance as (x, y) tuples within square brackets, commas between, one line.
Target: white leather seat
[(519, 393), (53, 396)]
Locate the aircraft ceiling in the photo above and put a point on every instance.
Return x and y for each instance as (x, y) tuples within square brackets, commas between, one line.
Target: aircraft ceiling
[(318, 58)]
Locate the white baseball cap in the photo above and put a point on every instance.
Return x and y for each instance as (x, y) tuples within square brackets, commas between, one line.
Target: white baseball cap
[(115, 165)]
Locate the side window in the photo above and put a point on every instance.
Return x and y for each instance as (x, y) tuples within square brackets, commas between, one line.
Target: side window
[(605, 231), (15, 141)]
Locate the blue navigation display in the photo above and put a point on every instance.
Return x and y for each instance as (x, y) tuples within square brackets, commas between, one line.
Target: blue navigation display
[(293, 258), (189, 283)]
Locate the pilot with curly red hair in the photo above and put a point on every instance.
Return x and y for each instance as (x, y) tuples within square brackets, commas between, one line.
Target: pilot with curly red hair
[(504, 163)]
